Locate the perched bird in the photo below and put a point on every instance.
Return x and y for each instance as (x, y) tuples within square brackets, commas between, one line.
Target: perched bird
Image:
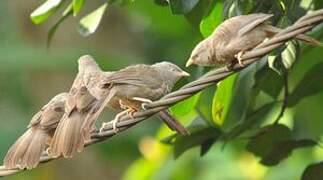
[(233, 37), (71, 133), (134, 85), (26, 151)]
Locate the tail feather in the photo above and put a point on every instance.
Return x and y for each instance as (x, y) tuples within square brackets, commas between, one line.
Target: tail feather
[(68, 138), (26, 151), (172, 123)]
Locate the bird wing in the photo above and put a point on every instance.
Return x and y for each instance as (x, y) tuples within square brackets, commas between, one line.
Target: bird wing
[(139, 75), (251, 21)]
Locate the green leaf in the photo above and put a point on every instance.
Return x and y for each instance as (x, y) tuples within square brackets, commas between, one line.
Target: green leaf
[(268, 81), (203, 107), (44, 11), (202, 9), (222, 99), (195, 138), (184, 107), (212, 20), (241, 97), (313, 172), (283, 149), (262, 142), (90, 22), (311, 84), (53, 29), (77, 6), (206, 145), (289, 55), (182, 6), (251, 120)]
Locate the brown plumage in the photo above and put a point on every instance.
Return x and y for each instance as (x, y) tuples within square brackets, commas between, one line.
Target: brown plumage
[(130, 87), (235, 36), (71, 133), (26, 151)]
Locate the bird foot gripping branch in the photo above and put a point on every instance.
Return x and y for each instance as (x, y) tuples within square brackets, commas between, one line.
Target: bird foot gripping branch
[(303, 25)]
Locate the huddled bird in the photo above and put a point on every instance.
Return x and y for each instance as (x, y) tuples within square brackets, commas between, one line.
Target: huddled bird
[(132, 86), (234, 37), (27, 150)]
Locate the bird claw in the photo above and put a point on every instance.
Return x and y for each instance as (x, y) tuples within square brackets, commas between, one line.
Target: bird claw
[(103, 126), (144, 102), (48, 151), (239, 57)]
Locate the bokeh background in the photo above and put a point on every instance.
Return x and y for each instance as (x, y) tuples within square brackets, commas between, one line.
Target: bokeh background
[(140, 32)]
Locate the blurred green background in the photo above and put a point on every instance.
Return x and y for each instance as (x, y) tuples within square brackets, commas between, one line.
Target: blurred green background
[(140, 32)]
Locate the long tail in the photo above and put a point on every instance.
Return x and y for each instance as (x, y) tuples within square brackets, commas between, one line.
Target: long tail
[(302, 37), (68, 138), (26, 151), (172, 123)]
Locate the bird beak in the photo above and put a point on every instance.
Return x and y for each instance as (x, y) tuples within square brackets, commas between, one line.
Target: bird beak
[(184, 74), (189, 62)]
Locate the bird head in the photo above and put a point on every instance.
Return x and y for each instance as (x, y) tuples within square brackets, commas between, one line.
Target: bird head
[(170, 72), (87, 62), (201, 54)]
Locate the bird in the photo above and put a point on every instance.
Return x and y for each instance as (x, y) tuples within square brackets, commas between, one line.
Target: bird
[(132, 86), (231, 39), (74, 128), (27, 150)]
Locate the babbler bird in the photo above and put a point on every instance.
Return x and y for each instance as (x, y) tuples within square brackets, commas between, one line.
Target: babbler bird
[(71, 134), (26, 151), (233, 37), (134, 85)]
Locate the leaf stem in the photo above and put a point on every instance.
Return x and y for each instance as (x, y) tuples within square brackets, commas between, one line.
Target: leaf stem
[(285, 100)]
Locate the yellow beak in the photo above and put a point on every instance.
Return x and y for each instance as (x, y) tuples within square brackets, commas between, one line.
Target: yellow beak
[(189, 62), (184, 74)]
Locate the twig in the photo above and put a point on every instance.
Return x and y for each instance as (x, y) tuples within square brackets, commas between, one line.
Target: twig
[(303, 25), (285, 100)]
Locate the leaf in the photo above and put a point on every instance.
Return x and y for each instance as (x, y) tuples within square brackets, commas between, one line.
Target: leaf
[(262, 142), (212, 20), (311, 84), (313, 172), (203, 107), (268, 81), (283, 149), (77, 6), (289, 55), (90, 22), (182, 6), (44, 11), (253, 118), (222, 99), (241, 97), (206, 145), (53, 29), (195, 138), (202, 9), (184, 107)]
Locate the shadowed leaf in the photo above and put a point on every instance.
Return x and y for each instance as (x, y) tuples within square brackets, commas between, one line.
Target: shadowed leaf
[(182, 6), (313, 172)]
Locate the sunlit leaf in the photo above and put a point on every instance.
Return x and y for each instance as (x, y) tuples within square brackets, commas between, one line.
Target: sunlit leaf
[(77, 5), (212, 20), (90, 22), (195, 138), (182, 6), (289, 55), (309, 85), (184, 107), (222, 99), (44, 11), (203, 106), (313, 172)]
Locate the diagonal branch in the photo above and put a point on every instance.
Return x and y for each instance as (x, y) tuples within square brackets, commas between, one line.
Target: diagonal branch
[(304, 24)]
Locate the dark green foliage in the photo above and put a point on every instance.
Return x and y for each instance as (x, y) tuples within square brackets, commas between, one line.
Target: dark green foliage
[(313, 172)]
